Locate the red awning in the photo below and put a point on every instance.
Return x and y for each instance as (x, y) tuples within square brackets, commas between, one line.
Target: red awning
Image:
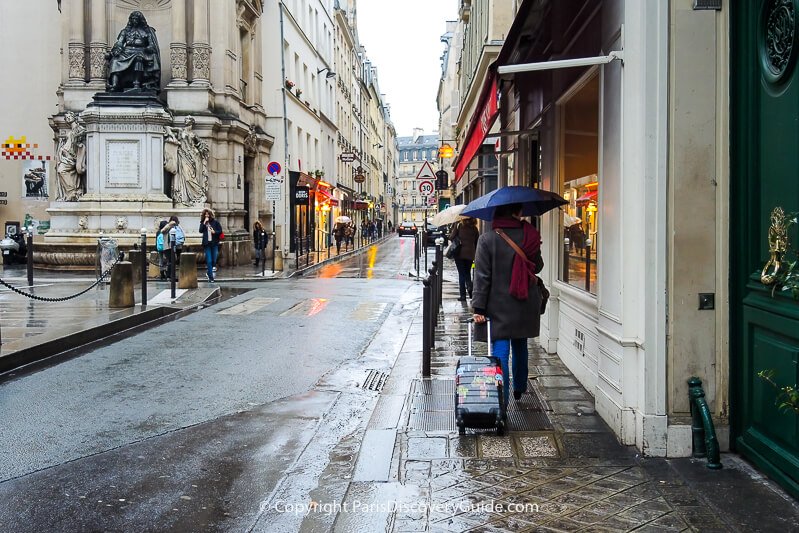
[(486, 112)]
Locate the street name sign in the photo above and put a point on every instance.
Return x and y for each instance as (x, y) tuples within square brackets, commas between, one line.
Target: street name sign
[(347, 157)]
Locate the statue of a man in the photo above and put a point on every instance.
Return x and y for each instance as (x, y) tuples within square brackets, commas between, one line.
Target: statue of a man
[(135, 59), (186, 158), (71, 161)]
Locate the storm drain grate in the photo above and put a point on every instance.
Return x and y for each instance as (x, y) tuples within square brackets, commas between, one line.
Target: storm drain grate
[(375, 380), (433, 403)]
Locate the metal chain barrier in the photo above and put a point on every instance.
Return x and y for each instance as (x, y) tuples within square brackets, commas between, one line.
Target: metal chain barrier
[(64, 298)]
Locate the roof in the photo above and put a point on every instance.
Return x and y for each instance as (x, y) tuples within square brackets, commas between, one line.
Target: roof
[(423, 140)]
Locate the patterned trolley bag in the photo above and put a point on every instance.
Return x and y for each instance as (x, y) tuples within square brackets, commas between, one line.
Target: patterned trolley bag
[(478, 391)]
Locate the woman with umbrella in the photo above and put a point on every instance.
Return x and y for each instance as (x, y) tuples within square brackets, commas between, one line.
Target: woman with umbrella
[(506, 288)]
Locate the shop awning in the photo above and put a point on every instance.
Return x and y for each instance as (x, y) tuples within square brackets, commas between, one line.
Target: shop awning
[(484, 117)]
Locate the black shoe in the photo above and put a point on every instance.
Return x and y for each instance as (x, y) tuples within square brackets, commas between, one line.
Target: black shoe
[(462, 299), (517, 395)]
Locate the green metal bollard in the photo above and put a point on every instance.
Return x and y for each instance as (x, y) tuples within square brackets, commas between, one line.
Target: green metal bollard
[(704, 432)]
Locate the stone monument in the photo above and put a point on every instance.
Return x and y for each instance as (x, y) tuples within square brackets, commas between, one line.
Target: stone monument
[(112, 159)]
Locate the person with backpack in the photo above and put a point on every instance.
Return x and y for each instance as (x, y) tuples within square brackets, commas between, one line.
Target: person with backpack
[(259, 240), (180, 239), (162, 246), (211, 231)]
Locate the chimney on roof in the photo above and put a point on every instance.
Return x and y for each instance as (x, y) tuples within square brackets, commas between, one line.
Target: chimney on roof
[(417, 132)]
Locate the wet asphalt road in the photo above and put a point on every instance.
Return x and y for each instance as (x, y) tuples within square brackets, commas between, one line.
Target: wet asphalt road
[(190, 426)]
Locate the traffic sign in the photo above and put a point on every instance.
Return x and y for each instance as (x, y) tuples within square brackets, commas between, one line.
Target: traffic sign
[(426, 172), (347, 157), (274, 168), (426, 187)]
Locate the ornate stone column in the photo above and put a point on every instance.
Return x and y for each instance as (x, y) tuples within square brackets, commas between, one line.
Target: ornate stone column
[(178, 50), (201, 47), (76, 51), (99, 41)]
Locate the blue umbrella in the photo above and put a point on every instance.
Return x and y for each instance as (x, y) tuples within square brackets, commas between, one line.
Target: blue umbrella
[(535, 201)]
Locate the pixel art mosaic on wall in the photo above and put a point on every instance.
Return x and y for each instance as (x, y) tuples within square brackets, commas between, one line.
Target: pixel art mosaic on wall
[(19, 149)]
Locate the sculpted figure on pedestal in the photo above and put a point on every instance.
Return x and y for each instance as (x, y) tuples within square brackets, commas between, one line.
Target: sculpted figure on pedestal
[(135, 59), (186, 157), (71, 161)]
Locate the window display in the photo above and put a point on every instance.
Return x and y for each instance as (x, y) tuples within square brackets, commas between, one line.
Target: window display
[(579, 163)]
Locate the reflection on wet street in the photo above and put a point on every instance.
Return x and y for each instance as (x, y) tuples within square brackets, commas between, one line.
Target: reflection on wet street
[(390, 259)]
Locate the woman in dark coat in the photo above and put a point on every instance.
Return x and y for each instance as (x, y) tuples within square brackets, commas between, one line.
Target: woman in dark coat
[(466, 231), (506, 291), (259, 240)]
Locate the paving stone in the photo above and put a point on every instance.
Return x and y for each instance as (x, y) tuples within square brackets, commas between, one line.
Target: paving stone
[(542, 446), (671, 521), (463, 446), (495, 446), (566, 394), (558, 382), (581, 424), (410, 525), (515, 524), (595, 445), (572, 407), (427, 447)]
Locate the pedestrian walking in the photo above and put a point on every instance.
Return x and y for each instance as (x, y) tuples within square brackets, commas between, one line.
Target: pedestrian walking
[(180, 239), (162, 246), (349, 234), (390, 227), (506, 290), (339, 234), (260, 238), (211, 231), (467, 234)]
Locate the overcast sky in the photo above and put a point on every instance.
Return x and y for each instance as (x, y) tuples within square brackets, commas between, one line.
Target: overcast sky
[(403, 39)]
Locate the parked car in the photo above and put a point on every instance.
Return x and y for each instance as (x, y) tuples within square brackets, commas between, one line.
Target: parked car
[(407, 228), (435, 232)]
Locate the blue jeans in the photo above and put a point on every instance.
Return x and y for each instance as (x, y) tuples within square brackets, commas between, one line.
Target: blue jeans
[(501, 349), (211, 253)]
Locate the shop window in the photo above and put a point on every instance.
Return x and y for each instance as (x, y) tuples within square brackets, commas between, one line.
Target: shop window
[(579, 163)]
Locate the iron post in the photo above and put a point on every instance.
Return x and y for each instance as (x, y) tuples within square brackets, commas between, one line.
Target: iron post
[(566, 245), (588, 265), (172, 243), (426, 329), (29, 255), (143, 245)]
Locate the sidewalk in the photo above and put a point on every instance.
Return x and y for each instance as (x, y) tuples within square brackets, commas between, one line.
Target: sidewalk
[(559, 468)]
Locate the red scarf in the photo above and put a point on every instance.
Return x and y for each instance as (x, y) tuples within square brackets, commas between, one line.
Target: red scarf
[(531, 245)]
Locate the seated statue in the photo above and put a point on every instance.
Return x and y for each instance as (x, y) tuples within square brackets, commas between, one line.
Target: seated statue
[(135, 59)]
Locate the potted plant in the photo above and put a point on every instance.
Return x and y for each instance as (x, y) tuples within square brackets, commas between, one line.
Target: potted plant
[(298, 92), (289, 84)]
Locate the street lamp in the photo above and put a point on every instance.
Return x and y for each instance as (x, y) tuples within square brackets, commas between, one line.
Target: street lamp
[(330, 73)]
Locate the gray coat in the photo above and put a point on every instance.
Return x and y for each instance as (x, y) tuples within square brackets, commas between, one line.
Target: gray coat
[(510, 318)]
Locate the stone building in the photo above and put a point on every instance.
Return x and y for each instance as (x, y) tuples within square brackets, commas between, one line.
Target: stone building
[(260, 80), (415, 153)]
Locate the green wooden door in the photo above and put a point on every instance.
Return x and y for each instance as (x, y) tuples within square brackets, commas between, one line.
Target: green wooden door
[(765, 174)]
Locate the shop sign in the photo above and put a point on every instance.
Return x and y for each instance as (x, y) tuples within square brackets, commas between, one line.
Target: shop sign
[(347, 157), (302, 196)]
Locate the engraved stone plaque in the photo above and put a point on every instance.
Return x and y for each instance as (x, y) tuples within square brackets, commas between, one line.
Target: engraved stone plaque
[(122, 160)]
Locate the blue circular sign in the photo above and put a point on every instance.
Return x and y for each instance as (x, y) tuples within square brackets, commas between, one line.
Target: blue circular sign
[(273, 168)]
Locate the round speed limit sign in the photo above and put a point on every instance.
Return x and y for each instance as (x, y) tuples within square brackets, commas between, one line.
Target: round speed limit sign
[(426, 187)]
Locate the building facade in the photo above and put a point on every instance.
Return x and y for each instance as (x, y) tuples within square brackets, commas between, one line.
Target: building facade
[(417, 153), (654, 145), (214, 56)]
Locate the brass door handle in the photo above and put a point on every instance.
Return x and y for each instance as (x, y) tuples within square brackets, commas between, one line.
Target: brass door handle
[(777, 246)]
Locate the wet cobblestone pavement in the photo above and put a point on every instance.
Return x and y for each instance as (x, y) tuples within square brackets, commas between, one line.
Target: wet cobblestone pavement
[(568, 475)]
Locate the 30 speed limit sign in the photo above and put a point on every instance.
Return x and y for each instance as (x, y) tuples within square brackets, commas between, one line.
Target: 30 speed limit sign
[(426, 187)]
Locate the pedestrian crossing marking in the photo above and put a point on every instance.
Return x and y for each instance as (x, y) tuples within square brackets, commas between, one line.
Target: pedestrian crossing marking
[(249, 307), (308, 307), (368, 311)]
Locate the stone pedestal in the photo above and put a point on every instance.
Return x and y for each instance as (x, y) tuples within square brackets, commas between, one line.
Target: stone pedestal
[(121, 288), (125, 183), (187, 278)]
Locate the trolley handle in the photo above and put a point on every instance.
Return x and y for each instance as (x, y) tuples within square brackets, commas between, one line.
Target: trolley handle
[(488, 335)]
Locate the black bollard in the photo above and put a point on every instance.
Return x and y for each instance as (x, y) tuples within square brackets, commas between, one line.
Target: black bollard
[(273, 253), (426, 329), (29, 256), (144, 267), (172, 256), (566, 260)]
